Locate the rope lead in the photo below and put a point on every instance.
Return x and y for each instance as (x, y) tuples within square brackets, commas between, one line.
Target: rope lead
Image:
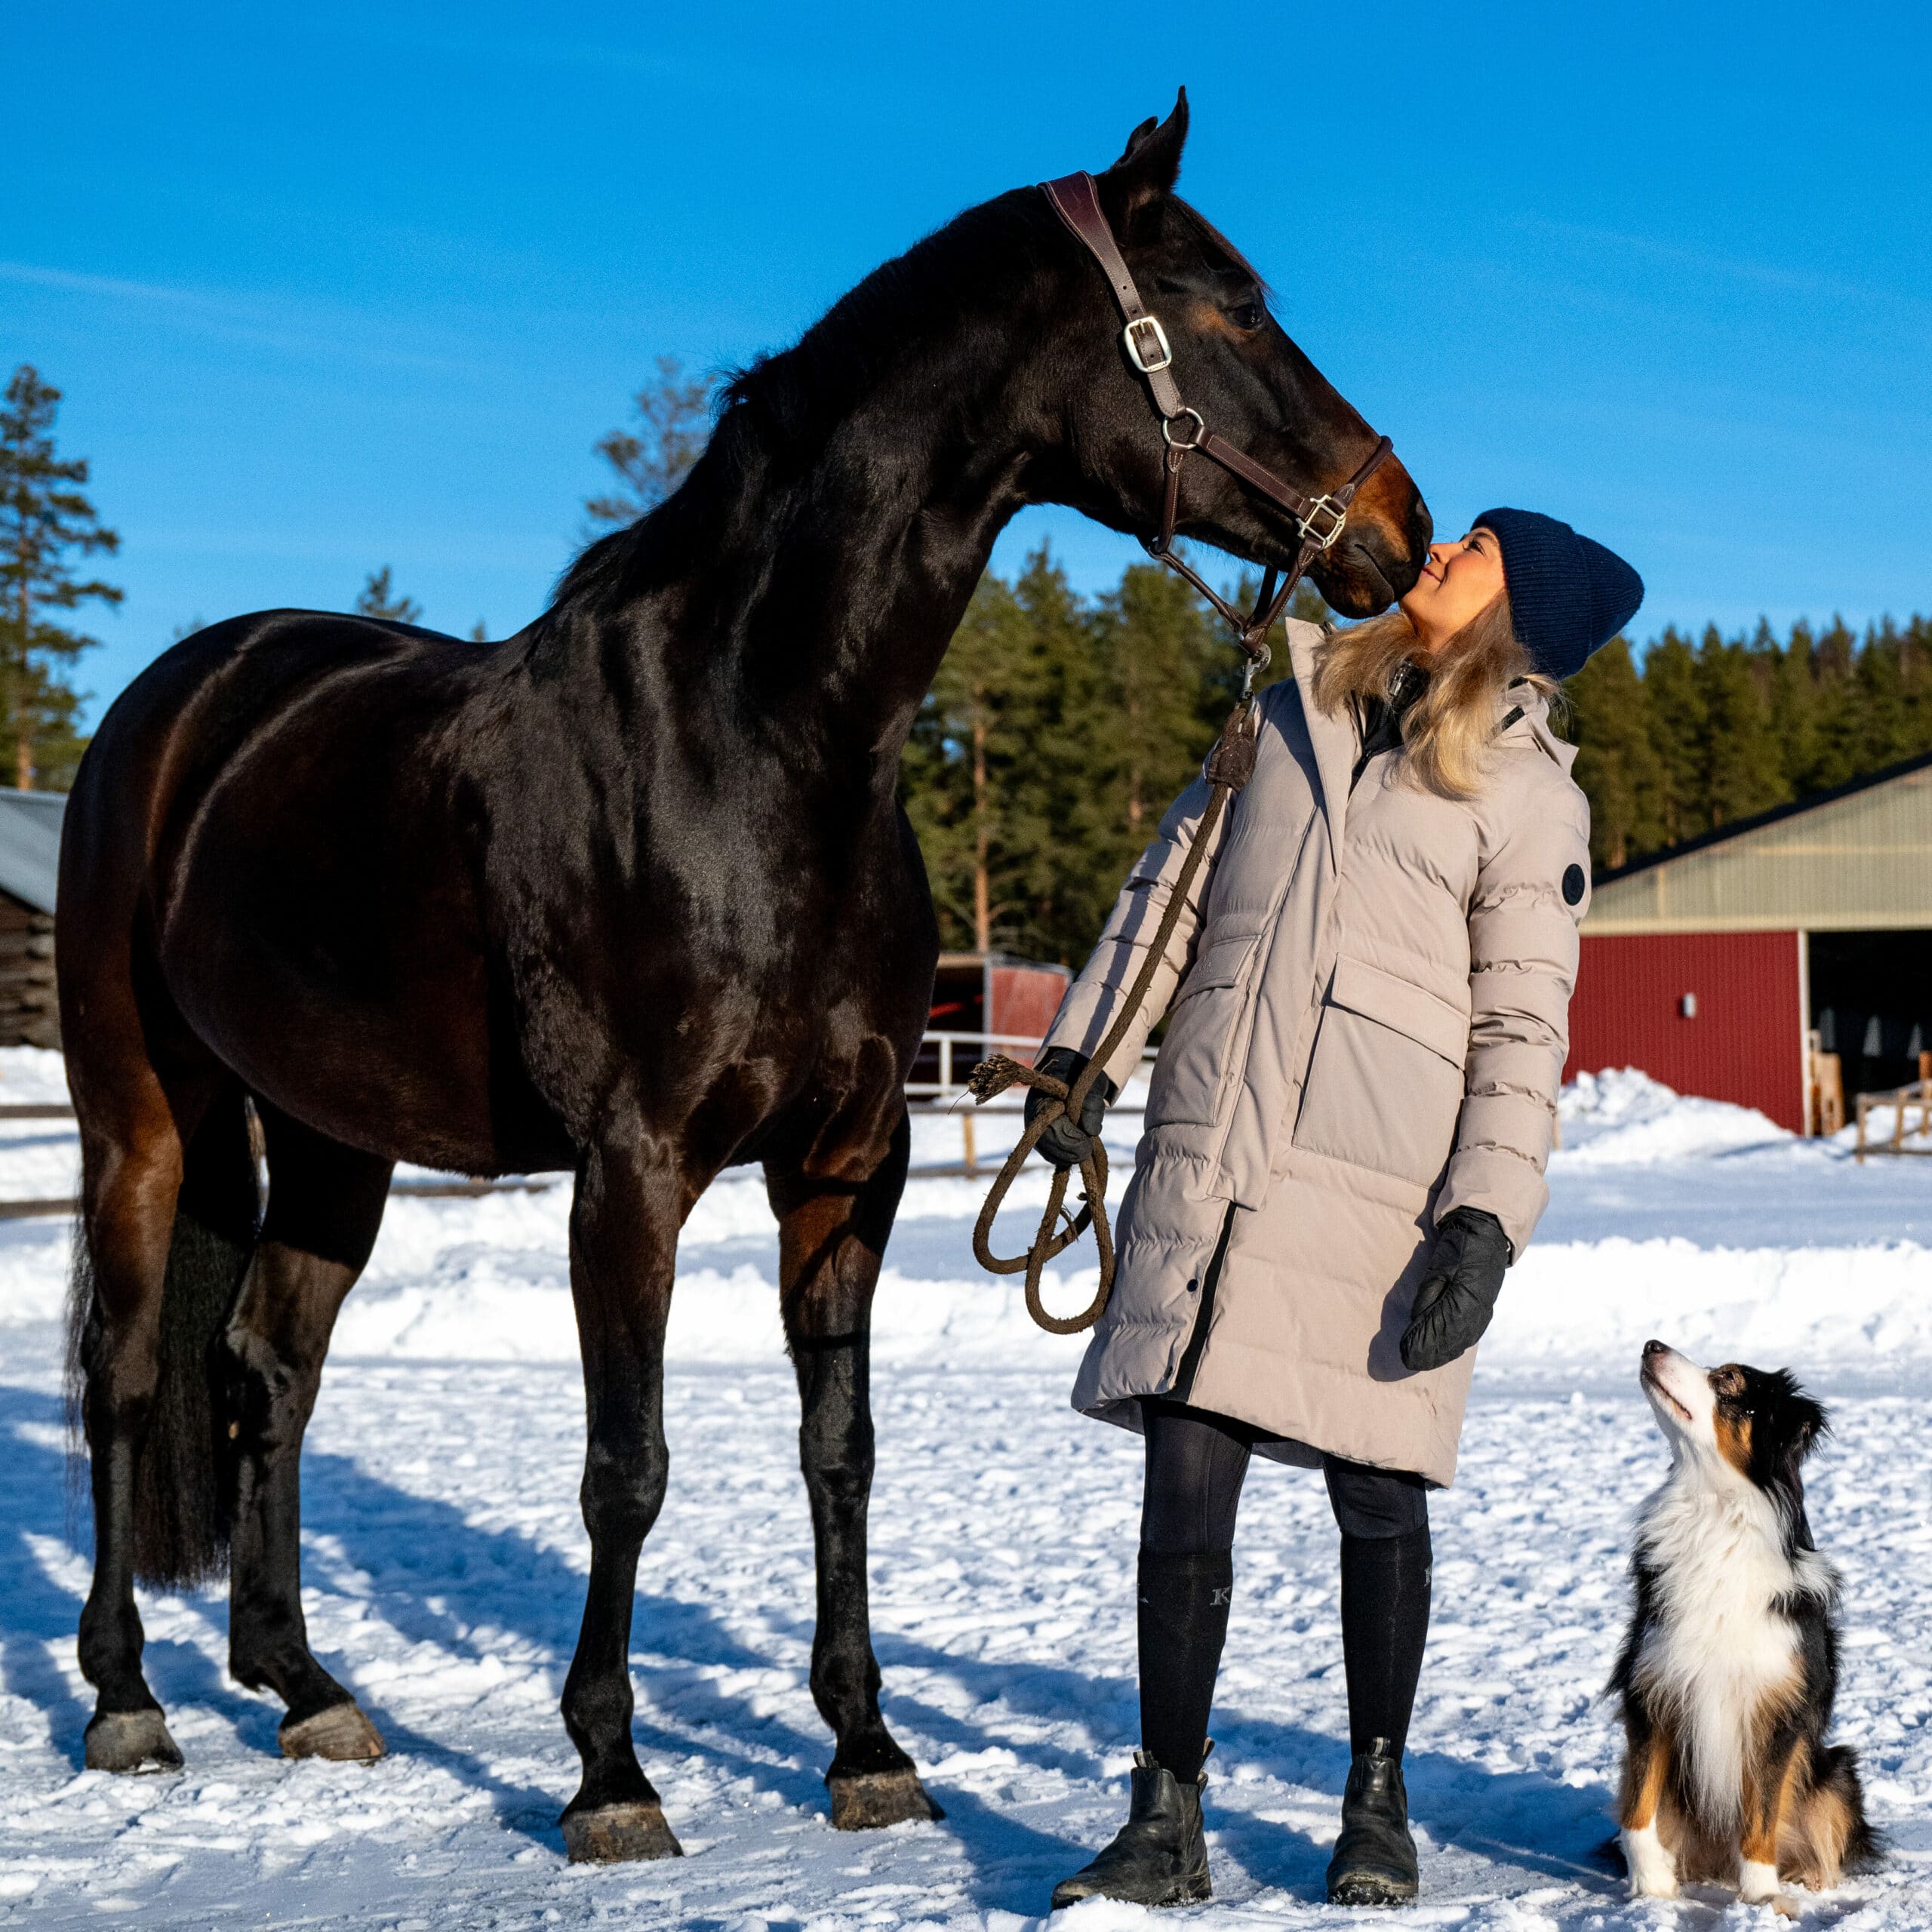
[(1230, 765)]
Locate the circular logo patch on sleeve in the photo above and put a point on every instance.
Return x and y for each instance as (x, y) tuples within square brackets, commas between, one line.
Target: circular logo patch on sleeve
[(1574, 883)]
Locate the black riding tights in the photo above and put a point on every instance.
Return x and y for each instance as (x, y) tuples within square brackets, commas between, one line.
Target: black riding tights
[(1196, 1461)]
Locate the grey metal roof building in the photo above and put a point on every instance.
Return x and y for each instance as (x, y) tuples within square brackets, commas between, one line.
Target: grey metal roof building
[(29, 861), (1856, 859)]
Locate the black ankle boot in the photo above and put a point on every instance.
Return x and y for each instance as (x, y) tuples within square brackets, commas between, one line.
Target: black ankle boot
[(1375, 1857), (1159, 1856)]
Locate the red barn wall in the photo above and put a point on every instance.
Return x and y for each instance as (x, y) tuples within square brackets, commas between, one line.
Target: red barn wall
[(1024, 999), (1744, 1044)]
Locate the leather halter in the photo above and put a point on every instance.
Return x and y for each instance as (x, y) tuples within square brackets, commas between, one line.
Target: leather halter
[(1076, 200)]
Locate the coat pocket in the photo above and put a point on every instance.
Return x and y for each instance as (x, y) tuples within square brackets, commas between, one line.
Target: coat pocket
[(1385, 1083), (1193, 1068)]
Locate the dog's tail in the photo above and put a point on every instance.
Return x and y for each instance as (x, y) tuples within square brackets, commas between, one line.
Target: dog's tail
[(1838, 1790)]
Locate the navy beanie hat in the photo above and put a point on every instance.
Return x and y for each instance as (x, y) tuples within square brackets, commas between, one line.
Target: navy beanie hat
[(1568, 595)]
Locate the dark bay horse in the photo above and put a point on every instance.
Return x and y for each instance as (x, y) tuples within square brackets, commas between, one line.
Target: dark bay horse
[(628, 895)]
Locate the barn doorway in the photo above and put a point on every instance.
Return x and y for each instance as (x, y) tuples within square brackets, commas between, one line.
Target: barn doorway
[(1871, 1004)]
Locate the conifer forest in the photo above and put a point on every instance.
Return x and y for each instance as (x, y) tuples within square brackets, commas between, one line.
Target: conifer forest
[(1061, 727)]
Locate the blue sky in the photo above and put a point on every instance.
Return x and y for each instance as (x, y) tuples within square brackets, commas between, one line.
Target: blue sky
[(332, 287)]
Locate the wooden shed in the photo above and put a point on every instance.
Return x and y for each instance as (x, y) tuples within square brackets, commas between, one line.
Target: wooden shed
[(1708, 966), (30, 863)]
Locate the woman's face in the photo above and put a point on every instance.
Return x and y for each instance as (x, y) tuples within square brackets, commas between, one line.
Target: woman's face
[(1459, 581)]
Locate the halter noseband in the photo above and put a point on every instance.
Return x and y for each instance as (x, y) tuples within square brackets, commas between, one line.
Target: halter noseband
[(1077, 201)]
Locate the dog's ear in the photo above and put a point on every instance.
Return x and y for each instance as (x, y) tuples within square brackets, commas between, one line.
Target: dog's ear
[(1799, 1423), (1790, 1488)]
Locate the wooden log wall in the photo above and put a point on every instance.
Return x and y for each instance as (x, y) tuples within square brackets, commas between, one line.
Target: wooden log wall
[(29, 1010)]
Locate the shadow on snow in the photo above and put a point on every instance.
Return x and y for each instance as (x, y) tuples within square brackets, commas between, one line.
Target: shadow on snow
[(437, 1578)]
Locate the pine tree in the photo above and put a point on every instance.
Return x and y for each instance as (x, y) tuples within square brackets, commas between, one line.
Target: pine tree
[(1742, 772), (675, 413), (1677, 723), (975, 733), (1053, 792), (1878, 677), (44, 521), (1617, 762), (1838, 740), (1794, 704), (377, 598), (1158, 647)]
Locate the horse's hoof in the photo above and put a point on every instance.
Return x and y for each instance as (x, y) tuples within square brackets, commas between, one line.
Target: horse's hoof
[(876, 1799), (131, 1741), (340, 1733), (616, 1834)]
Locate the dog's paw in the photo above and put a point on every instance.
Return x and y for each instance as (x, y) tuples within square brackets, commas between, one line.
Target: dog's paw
[(1757, 1884), (1653, 1871)]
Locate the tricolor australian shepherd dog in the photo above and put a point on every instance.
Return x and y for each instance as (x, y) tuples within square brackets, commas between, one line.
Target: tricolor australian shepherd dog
[(1728, 1674)]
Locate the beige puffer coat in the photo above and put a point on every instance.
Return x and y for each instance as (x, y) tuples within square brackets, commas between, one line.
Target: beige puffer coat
[(1369, 1030)]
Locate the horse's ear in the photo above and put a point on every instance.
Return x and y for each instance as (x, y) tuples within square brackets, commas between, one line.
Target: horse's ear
[(1151, 165)]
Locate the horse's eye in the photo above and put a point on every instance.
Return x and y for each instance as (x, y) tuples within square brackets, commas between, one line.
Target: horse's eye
[(1247, 315)]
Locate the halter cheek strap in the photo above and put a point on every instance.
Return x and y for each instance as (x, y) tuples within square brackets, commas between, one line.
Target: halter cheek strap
[(1076, 200)]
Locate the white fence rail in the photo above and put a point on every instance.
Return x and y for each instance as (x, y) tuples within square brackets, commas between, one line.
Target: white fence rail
[(938, 1087)]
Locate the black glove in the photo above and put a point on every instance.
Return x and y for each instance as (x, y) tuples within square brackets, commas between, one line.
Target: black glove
[(1063, 1144), (1457, 1296)]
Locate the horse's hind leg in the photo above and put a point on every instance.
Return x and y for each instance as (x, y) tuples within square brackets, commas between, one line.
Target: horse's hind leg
[(624, 1223), (325, 1206), (167, 1208), (832, 1236), (131, 1179)]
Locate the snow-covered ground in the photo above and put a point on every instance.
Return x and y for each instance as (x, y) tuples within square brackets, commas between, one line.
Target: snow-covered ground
[(445, 1559)]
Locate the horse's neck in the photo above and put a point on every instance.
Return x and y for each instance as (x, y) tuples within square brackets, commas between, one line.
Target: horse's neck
[(830, 587), (867, 587)]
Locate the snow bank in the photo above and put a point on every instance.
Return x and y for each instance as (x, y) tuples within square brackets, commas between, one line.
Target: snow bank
[(1583, 1304), (1623, 1118), (1699, 1222), (33, 1075)]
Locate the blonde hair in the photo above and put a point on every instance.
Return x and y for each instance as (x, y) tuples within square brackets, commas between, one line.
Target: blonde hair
[(1446, 732)]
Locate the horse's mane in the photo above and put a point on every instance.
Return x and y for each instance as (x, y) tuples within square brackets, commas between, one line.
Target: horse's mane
[(775, 414)]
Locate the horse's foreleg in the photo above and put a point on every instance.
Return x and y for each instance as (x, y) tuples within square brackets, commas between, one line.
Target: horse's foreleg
[(832, 1236), (325, 1206), (623, 1249)]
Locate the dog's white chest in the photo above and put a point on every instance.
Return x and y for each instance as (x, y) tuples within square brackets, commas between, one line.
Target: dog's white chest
[(1719, 1650)]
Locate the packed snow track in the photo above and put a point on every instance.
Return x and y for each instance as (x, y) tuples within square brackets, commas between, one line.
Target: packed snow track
[(445, 1561)]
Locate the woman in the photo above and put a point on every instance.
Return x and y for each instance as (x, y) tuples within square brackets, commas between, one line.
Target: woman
[(1347, 1133)]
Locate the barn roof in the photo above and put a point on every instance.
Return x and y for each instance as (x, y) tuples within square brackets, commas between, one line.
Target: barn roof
[(1856, 858), (30, 844)]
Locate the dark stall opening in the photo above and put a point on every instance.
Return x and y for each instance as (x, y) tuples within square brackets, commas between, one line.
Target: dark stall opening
[(1872, 1004)]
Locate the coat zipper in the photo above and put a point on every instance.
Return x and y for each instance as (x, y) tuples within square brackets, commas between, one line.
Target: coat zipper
[(1190, 1361), (1224, 1112)]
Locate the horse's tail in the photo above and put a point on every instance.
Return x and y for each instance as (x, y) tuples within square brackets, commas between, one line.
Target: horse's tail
[(179, 1508)]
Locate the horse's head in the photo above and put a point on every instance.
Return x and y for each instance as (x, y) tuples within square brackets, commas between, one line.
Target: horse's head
[(1236, 366)]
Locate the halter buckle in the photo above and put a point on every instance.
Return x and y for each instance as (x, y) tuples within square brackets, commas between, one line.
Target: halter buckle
[(1324, 506), (1147, 345)]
